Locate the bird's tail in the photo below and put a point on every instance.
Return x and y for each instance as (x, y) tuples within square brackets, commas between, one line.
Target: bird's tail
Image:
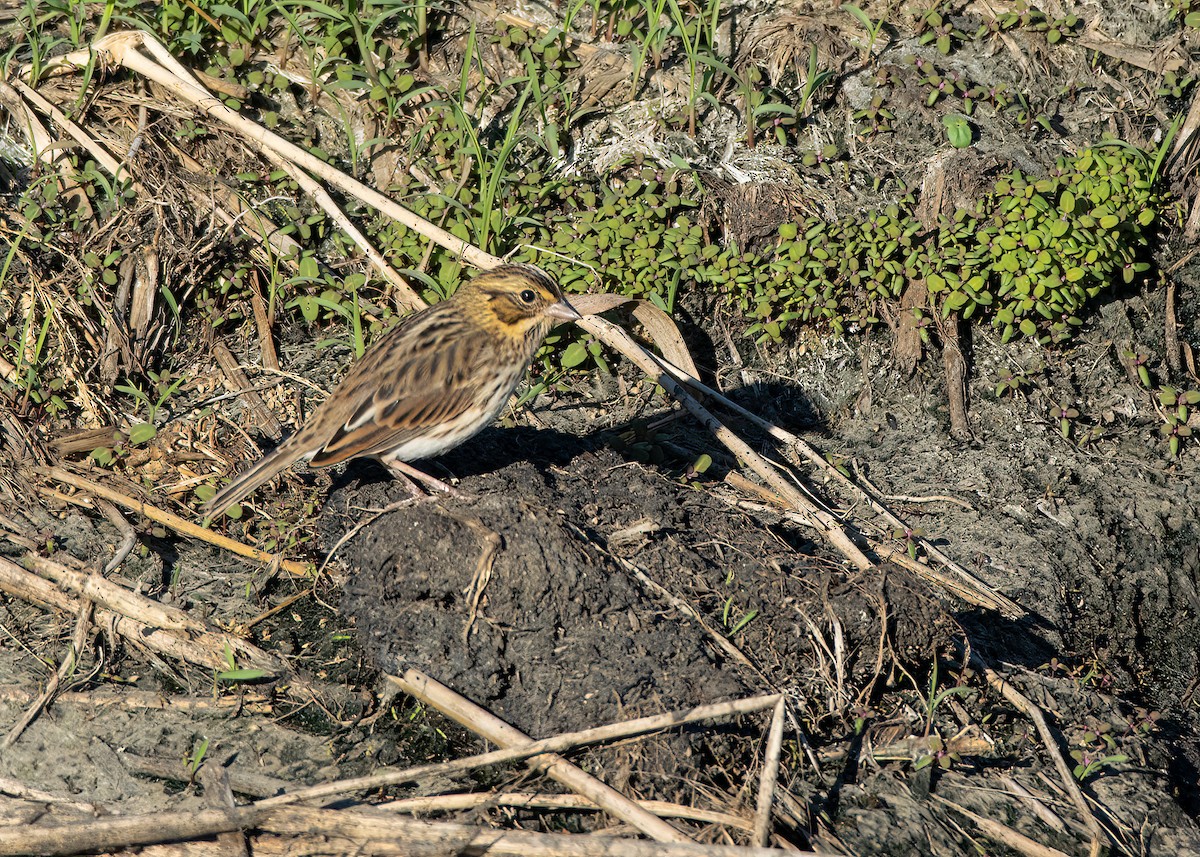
[(267, 467)]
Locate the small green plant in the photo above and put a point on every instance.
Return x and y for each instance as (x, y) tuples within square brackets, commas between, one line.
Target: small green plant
[(1143, 722), (1010, 383), (911, 538), (1190, 18), (233, 673), (697, 34), (814, 79), (873, 28), (1066, 415), (1137, 361), (1176, 405), (1091, 674), (735, 625), (933, 26), (1174, 85), (1024, 16), (876, 117), (162, 387), (934, 696), (937, 752), (698, 467), (151, 400), (1089, 436), (195, 758), (1099, 751), (958, 130)]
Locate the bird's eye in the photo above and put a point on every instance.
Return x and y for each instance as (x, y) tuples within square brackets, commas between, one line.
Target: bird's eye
[(528, 296)]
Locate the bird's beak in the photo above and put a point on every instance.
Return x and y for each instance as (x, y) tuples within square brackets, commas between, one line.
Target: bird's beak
[(563, 310)]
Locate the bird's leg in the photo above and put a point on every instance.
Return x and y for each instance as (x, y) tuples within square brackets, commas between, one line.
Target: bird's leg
[(406, 472), (414, 490)]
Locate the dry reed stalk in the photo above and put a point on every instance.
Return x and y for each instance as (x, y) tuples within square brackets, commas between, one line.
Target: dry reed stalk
[(769, 777), (558, 743), (1002, 833), (566, 803), (180, 525), (372, 832), (204, 648)]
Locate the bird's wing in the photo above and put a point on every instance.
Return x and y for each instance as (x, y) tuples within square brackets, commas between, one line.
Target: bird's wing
[(422, 377), (382, 425)]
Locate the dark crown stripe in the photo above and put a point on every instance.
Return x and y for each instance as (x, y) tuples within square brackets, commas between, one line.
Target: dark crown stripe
[(531, 272)]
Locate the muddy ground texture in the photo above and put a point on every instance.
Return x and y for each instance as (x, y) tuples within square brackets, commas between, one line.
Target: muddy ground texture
[(1099, 546), (554, 592)]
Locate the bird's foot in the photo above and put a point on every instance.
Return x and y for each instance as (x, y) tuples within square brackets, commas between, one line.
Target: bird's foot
[(407, 474)]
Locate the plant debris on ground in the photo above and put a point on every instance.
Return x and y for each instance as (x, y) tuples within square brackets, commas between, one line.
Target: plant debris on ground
[(949, 246)]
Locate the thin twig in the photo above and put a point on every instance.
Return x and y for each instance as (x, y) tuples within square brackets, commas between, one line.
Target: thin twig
[(825, 523), (405, 294), (122, 48), (245, 703), (1043, 812), (768, 778), (558, 743), (993, 599), (83, 624), (461, 710), (161, 516), (372, 832), (717, 639), (206, 648), (1027, 707), (571, 803), (1002, 833), (18, 789), (263, 416), (128, 535)]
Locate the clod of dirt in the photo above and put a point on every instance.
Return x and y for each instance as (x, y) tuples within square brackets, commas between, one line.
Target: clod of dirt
[(526, 599), (561, 635)]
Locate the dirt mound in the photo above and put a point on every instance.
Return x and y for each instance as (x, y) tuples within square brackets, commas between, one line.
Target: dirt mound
[(527, 598)]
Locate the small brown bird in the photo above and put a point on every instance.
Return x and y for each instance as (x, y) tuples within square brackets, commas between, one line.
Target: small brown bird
[(434, 380)]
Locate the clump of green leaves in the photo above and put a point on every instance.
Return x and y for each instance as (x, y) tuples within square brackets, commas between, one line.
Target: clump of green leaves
[(1027, 257), (1185, 10), (935, 27), (1176, 407), (1024, 16), (1099, 750)]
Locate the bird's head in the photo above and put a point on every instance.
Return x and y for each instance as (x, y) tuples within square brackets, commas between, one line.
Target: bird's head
[(520, 301)]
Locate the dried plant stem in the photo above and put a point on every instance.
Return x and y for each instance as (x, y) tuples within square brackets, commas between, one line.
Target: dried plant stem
[(825, 523), (1027, 707), (461, 710), (249, 703), (205, 648), (769, 777), (264, 417), (115, 597), (409, 298), (558, 743), (128, 536), (1043, 812), (1002, 833), (43, 145), (21, 791), (970, 587), (719, 640), (566, 803), (83, 624), (161, 516), (373, 832), (123, 48)]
